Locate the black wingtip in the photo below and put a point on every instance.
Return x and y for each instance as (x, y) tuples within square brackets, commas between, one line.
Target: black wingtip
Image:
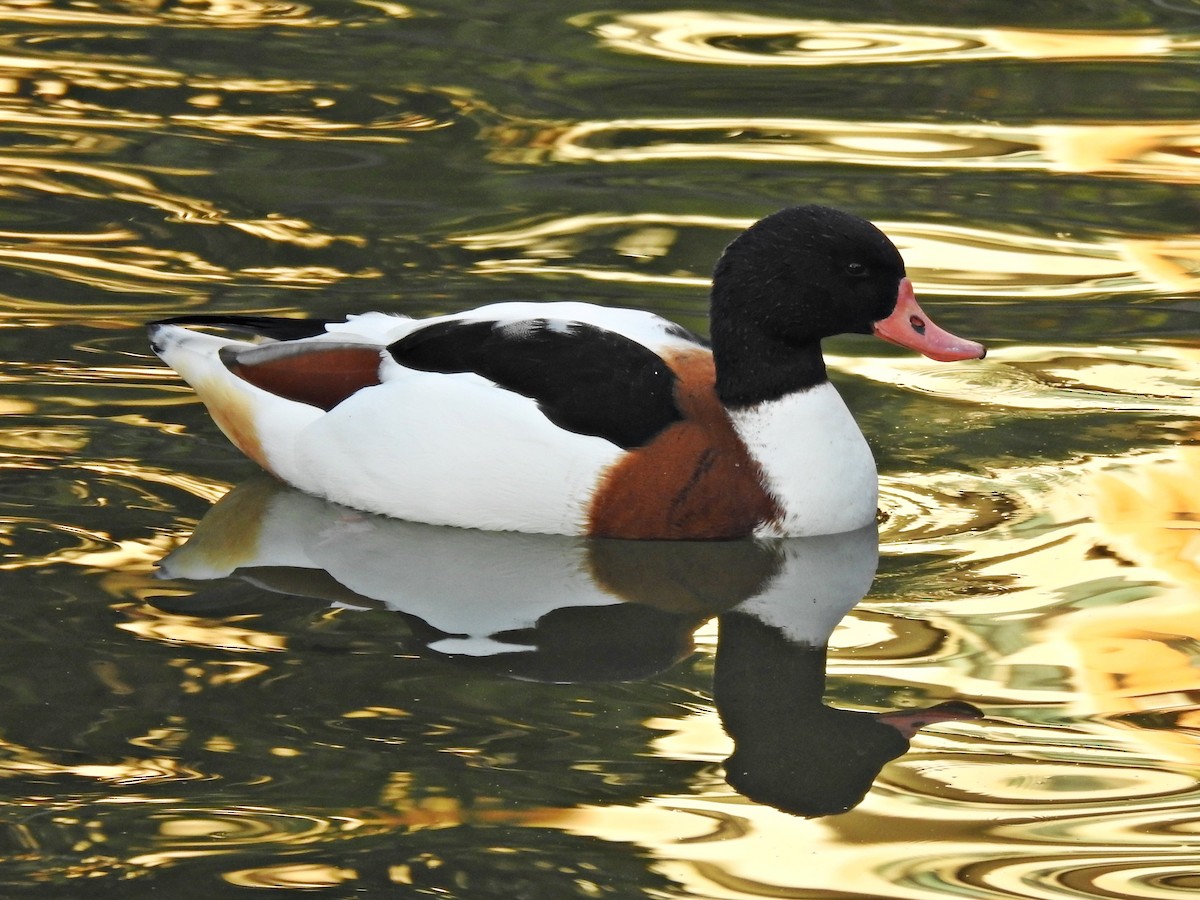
[(274, 327), (152, 331)]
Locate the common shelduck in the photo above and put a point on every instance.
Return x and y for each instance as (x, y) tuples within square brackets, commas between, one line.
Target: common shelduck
[(570, 418)]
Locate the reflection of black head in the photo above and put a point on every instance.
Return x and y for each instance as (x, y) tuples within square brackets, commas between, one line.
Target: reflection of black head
[(791, 751), (621, 642)]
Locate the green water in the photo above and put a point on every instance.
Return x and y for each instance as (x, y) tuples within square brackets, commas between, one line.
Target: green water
[(358, 710)]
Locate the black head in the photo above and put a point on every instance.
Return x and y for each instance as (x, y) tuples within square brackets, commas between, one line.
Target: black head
[(791, 279)]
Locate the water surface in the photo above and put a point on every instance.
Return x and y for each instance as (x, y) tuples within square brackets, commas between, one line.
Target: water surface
[(994, 697)]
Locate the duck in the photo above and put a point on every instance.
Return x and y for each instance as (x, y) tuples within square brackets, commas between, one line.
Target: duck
[(572, 418)]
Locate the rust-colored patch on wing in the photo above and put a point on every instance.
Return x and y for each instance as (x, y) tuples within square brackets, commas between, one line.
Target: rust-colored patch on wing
[(694, 481), (318, 376)]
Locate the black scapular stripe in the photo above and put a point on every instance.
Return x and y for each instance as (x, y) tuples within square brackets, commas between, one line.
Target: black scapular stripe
[(585, 379)]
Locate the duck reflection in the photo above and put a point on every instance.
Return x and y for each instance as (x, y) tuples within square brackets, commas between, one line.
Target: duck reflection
[(791, 750), (563, 609)]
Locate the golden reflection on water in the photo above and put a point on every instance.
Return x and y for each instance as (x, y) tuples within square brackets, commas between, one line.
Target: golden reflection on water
[(118, 261), (946, 259), (187, 631), (1127, 378), (23, 762), (1161, 151), (200, 13), (740, 39), (1138, 658), (985, 799), (85, 100), (301, 876)]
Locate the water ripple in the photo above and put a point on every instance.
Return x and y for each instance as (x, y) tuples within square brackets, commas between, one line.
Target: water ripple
[(180, 829), (1159, 151), (46, 196), (173, 630), (45, 83), (750, 40), (35, 766), (297, 876), (931, 509), (60, 513), (1062, 790), (1130, 378), (959, 260), (948, 260), (201, 13), (1149, 512), (1074, 873)]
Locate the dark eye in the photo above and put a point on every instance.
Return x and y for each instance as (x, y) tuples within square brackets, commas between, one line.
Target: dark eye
[(856, 270)]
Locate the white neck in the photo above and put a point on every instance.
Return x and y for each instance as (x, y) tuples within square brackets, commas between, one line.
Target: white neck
[(816, 461)]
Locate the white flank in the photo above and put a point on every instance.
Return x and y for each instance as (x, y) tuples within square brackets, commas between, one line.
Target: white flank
[(443, 449), (452, 450)]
